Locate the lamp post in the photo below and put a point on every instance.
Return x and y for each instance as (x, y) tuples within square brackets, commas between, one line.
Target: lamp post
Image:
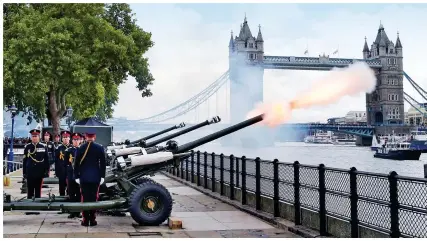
[(69, 115), (12, 109)]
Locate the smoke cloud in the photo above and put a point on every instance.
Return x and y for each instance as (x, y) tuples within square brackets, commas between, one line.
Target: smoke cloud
[(338, 83)]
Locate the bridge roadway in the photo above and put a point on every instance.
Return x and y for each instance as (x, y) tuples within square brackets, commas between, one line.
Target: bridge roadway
[(358, 130), (201, 216)]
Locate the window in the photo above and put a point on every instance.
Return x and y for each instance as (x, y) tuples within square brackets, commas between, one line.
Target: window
[(252, 56), (392, 82), (393, 97), (392, 61), (251, 45)]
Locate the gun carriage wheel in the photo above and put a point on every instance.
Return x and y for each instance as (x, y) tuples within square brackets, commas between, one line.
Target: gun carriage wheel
[(150, 203), (142, 180)]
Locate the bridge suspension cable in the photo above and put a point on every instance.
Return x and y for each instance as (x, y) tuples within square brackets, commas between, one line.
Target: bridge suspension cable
[(190, 104), (416, 86)]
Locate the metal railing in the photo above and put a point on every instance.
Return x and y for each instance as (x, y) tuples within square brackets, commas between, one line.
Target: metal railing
[(392, 205)]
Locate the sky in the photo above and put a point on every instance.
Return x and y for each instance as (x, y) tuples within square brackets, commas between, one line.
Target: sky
[(191, 51)]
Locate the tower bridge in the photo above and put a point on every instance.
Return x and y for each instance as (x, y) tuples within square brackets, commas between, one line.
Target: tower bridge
[(244, 83)]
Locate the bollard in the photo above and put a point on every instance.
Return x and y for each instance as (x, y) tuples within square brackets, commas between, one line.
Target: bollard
[(425, 170)]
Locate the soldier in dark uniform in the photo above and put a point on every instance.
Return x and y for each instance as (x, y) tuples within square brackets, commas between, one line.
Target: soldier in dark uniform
[(89, 171), (60, 162), (57, 141), (72, 187), (50, 147), (35, 165), (83, 140)]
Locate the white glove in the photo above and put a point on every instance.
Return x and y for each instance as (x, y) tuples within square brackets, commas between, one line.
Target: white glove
[(102, 181), (78, 181)]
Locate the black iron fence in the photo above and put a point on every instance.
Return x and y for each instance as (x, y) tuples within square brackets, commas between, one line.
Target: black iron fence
[(337, 202)]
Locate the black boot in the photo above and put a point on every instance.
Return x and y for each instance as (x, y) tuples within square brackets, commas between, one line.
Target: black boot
[(85, 223), (92, 217), (93, 222)]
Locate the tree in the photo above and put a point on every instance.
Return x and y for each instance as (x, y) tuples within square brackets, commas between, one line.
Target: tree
[(75, 55)]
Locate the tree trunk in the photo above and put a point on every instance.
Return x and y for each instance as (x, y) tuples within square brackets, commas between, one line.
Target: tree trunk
[(56, 124), (56, 108)]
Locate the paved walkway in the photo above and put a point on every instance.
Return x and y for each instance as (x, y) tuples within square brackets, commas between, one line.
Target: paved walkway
[(202, 217)]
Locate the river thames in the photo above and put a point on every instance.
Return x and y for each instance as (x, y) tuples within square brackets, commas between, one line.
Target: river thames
[(330, 155)]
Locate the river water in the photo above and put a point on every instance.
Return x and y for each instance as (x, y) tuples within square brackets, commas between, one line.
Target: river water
[(330, 155)]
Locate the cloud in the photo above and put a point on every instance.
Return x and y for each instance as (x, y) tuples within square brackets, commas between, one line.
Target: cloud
[(191, 51)]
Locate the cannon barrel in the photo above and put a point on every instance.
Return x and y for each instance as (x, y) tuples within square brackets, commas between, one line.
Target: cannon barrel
[(191, 145), (216, 119), (133, 143)]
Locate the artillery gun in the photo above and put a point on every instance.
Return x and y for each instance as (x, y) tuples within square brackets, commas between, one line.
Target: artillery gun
[(133, 149), (148, 202), (128, 143)]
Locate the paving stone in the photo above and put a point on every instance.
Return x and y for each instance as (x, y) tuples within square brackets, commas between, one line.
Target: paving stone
[(279, 233), (97, 235), (203, 234), (183, 190), (247, 225), (233, 217), (26, 235), (190, 214), (202, 224), (177, 234), (145, 235), (51, 235), (55, 224), (240, 233), (17, 224)]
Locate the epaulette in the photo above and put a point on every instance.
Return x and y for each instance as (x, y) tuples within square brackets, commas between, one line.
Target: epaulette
[(26, 145), (42, 144)]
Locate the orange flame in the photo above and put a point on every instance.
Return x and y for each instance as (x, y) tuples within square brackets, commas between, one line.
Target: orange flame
[(355, 79)]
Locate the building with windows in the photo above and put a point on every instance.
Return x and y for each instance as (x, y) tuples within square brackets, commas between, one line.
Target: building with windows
[(414, 117), (355, 117)]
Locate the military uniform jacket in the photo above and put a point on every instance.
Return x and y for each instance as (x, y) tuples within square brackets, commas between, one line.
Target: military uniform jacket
[(60, 160), (90, 163), (70, 158), (50, 151), (56, 144), (36, 160)]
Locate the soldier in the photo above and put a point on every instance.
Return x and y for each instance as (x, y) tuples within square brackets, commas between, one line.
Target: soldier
[(89, 171), (72, 187), (50, 147), (60, 162), (83, 140), (35, 165), (57, 141)]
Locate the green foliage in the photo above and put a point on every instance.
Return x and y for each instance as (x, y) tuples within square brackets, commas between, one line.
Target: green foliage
[(76, 54)]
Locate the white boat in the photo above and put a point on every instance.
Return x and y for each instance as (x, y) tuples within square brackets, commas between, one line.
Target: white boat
[(346, 142), (319, 138)]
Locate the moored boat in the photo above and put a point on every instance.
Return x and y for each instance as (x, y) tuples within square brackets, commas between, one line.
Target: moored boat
[(397, 151)]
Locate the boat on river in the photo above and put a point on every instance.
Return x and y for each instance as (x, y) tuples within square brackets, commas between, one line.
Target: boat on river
[(418, 140), (397, 151)]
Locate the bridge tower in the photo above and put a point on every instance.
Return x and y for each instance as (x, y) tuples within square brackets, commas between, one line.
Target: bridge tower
[(246, 54), (386, 104)]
